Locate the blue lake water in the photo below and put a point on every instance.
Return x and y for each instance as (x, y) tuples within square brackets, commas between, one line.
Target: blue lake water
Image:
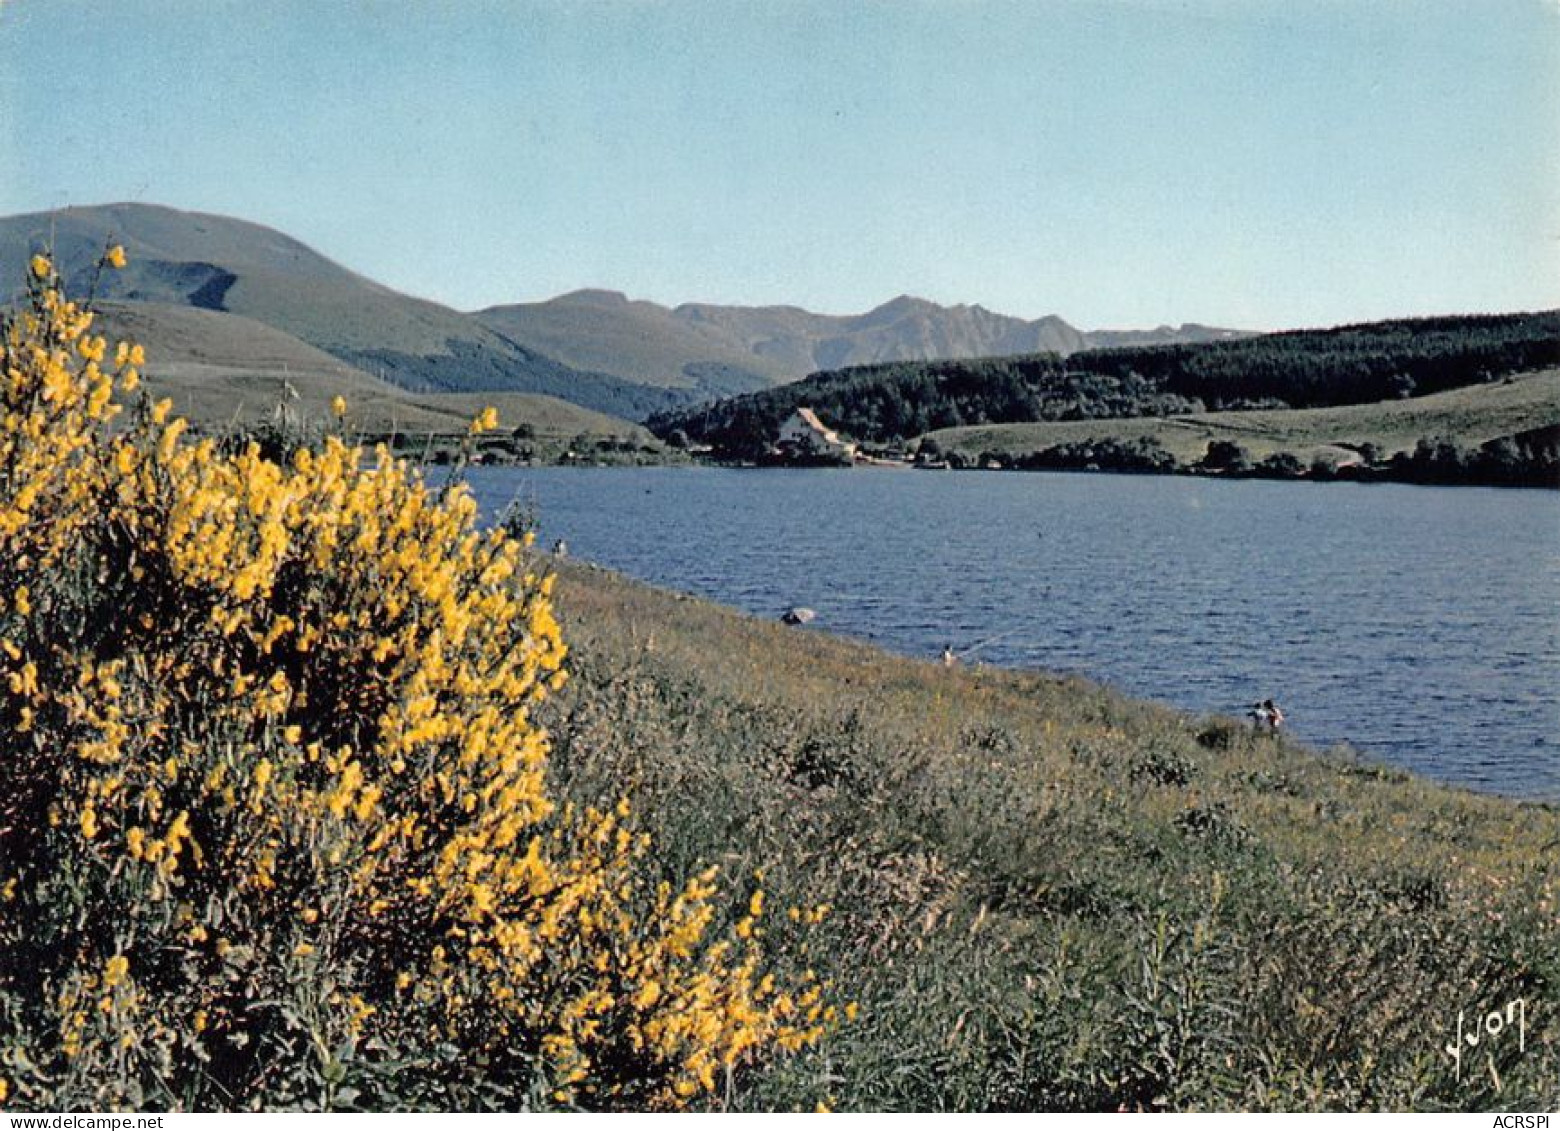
[(1420, 625)]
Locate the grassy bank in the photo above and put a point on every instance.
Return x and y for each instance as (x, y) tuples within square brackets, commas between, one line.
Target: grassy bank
[(1045, 895), (1470, 416)]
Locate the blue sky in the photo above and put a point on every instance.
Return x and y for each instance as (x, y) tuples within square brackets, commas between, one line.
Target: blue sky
[(1119, 162)]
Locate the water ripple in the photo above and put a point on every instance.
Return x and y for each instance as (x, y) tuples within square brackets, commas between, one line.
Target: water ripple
[(1421, 625)]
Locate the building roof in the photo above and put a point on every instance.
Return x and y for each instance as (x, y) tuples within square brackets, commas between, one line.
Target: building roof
[(810, 418), (821, 432)]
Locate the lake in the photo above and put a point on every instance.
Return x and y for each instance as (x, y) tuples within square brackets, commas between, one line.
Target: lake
[(1420, 625)]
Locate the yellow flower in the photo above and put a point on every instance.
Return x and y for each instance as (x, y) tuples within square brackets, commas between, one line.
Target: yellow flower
[(115, 257), (338, 405), (267, 585), (40, 266)]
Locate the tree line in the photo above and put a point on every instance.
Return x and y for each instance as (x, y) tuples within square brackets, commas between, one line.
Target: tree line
[(1357, 364)]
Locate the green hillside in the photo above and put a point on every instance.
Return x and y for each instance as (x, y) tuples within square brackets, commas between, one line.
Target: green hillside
[(224, 370), (1211, 390), (1473, 415), (223, 264)]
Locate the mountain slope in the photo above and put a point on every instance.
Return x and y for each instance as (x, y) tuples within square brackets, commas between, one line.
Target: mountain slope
[(1186, 334), (737, 349), (604, 331), (903, 329), (734, 349), (595, 348), (219, 263), (222, 264), (223, 369)]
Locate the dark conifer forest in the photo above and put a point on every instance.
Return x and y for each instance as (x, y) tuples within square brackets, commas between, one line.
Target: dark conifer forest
[(1357, 364)]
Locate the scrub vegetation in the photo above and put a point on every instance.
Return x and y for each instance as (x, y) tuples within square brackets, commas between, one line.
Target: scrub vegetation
[(277, 824)]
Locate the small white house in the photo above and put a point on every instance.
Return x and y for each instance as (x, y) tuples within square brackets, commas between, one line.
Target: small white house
[(804, 434)]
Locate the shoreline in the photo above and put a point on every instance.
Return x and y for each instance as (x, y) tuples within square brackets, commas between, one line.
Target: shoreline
[(1007, 855), (1353, 759), (1366, 476)]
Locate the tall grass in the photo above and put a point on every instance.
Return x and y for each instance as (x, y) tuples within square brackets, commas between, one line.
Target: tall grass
[(1046, 896)]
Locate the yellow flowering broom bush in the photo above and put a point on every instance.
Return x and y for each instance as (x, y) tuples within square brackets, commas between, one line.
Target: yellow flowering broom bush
[(275, 827)]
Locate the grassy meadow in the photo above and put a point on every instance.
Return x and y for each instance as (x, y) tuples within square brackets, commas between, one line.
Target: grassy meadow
[(1045, 895), (1470, 415)]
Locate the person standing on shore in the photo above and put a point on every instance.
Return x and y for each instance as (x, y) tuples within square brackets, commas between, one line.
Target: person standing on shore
[(1266, 716), (1275, 715)]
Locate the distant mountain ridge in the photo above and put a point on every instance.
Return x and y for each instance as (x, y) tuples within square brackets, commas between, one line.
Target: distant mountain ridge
[(1186, 334), (744, 348), (598, 349)]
